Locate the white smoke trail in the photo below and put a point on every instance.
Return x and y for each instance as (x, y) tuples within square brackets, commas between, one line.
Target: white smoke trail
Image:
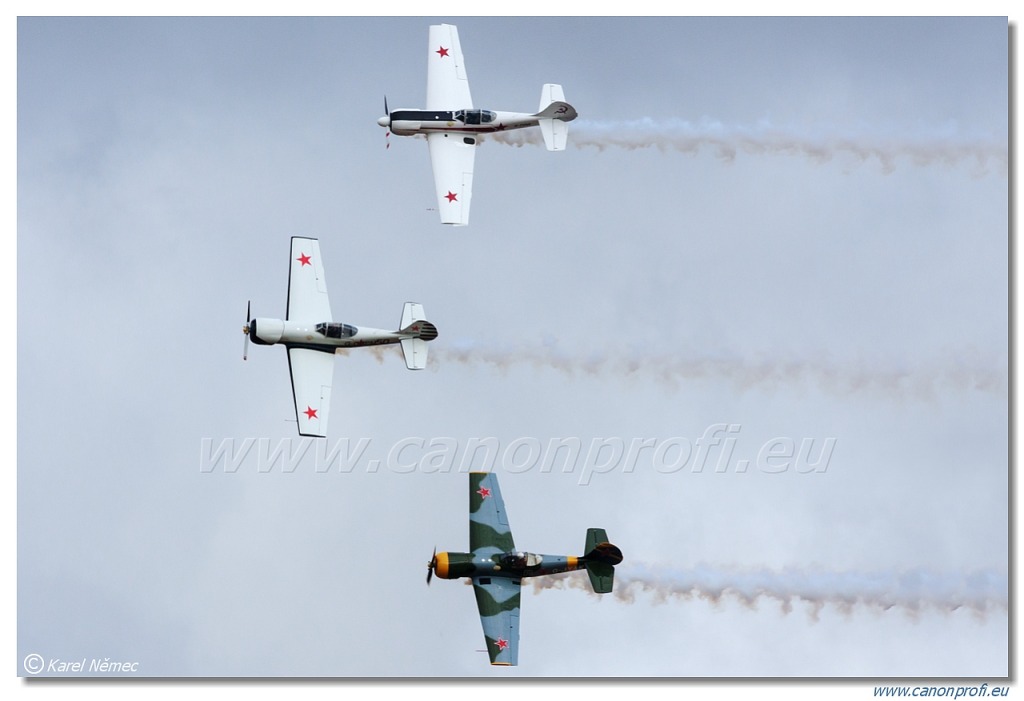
[(913, 591), (923, 381), (726, 142)]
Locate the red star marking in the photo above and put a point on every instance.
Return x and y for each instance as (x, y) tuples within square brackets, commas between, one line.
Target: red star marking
[(304, 259), (310, 413), (501, 643), (441, 52), (452, 197), (484, 492)]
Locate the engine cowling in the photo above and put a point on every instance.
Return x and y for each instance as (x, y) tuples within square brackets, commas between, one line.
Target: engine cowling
[(266, 332), (454, 565)]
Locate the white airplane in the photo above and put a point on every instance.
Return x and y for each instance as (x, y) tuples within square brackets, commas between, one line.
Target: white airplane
[(312, 338), (451, 124)]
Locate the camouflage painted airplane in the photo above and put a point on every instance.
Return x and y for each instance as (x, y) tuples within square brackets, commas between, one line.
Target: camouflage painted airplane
[(497, 568)]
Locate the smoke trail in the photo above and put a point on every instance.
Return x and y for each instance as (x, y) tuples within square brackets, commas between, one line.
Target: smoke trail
[(726, 142), (922, 381), (913, 591)]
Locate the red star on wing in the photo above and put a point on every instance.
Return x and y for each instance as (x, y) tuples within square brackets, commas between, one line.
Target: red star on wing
[(310, 413), (441, 52), (501, 643), (452, 197), (484, 492), (304, 259)]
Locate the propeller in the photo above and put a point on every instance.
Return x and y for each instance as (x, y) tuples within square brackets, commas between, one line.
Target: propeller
[(430, 566), (387, 134), (245, 330)]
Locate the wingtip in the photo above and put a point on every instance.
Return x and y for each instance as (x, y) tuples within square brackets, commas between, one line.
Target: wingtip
[(312, 435)]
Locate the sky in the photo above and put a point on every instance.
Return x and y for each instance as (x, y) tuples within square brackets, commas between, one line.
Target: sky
[(753, 323)]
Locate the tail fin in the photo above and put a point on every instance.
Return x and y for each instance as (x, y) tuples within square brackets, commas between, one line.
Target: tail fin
[(419, 331), (600, 559), (552, 116)]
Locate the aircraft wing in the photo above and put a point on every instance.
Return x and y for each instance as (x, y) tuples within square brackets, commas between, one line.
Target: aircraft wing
[(307, 287), (497, 599), (452, 161), (447, 84), (312, 372), (489, 532)]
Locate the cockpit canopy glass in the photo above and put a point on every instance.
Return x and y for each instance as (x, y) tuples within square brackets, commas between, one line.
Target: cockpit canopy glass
[(336, 330), (519, 560), (475, 116)]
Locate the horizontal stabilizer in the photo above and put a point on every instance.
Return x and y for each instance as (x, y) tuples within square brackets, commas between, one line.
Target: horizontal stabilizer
[(600, 558), (552, 116), (602, 577), (419, 331), (415, 352), (412, 311), (555, 133)]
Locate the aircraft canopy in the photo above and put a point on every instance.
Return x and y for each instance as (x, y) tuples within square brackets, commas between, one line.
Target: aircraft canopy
[(335, 330)]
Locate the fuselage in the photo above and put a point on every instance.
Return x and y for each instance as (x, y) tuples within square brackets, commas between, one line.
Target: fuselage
[(408, 122), (513, 565), (327, 336)]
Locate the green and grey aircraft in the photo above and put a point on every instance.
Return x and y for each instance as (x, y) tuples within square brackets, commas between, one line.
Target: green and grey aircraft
[(497, 568)]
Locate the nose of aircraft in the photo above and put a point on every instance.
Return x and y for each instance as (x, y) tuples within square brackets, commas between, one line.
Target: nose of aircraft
[(384, 121)]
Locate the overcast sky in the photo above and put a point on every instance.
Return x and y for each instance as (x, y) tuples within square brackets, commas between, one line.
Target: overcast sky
[(764, 292)]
